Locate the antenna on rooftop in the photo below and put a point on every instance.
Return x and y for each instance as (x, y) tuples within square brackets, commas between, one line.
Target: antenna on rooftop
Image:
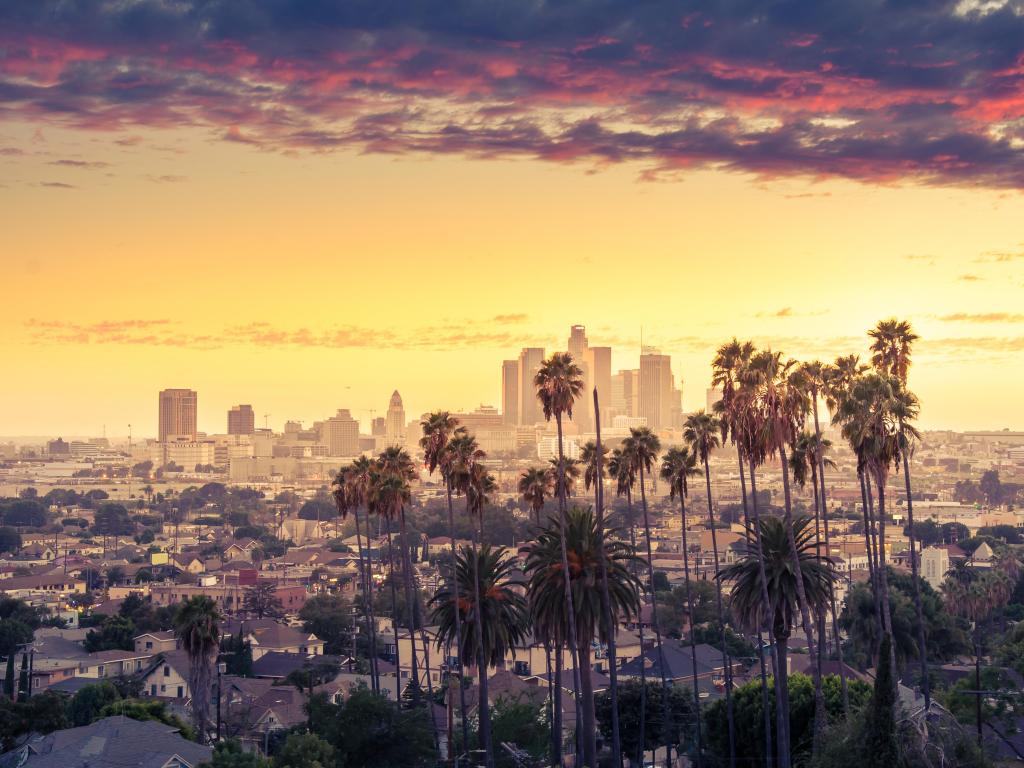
[(266, 420)]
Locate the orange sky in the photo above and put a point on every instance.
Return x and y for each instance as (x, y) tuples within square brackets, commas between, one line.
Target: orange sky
[(304, 282)]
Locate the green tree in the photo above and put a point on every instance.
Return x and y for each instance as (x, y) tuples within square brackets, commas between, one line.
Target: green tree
[(261, 600), (632, 694), (13, 635), (522, 723), (116, 633), (304, 750), (229, 754), (147, 709), (329, 617), (10, 539), (87, 703), (880, 737)]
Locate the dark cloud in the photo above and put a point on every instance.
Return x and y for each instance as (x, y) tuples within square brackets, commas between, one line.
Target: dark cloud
[(57, 185), (83, 164), (926, 92)]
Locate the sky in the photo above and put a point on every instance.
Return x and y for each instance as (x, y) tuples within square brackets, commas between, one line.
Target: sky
[(306, 205)]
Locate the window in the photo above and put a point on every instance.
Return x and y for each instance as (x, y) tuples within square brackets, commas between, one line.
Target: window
[(149, 645), (181, 692), (167, 671), (152, 690)]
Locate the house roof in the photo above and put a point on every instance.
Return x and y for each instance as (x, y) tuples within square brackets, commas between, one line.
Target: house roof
[(267, 633), (678, 661), (113, 741), (278, 664)]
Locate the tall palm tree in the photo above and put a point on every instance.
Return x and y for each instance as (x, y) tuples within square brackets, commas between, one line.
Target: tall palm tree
[(535, 487), (643, 446), (622, 467), (578, 532), (439, 428), (767, 563), (594, 456), (727, 368), (197, 628), (892, 342), (350, 490), (783, 405), (559, 381), (479, 601), (677, 467), (569, 472), (700, 433)]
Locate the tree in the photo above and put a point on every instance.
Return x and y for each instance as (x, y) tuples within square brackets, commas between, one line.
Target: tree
[(881, 746), (13, 635), (304, 750), (229, 754), (329, 617), (587, 545), (10, 539), (261, 600), (655, 732), (502, 612), (535, 487), (116, 633), (519, 722), (87, 703), (197, 628), (773, 550), (147, 709), (113, 520), (558, 382)]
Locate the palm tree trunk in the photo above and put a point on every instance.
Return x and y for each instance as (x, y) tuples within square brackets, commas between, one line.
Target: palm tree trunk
[(657, 630), (883, 577), (367, 587), (820, 612), (640, 627), (458, 621), (726, 661), (558, 702), (872, 563), (820, 461), (484, 703), (760, 638), (587, 708), (555, 705), (820, 716), (394, 617), (693, 639), (410, 608), (610, 620), (573, 647), (778, 664), (922, 647)]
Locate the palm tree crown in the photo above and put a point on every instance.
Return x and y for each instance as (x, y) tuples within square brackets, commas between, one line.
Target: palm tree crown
[(559, 381)]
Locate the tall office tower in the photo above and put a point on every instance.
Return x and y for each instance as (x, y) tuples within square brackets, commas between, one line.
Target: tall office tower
[(580, 351), (241, 420), (656, 388), (630, 392), (530, 361), (340, 434), (510, 391), (379, 426), (394, 430), (600, 361), (178, 411)]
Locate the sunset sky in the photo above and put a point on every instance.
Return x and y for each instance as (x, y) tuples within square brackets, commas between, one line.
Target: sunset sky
[(305, 205)]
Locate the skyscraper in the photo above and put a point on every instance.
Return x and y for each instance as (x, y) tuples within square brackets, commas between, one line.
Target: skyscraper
[(579, 348), (510, 391), (341, 434), (394, 430), (178, 414), (600, 362), (241, 420), (530, 361), (656, 389), (578, 343)]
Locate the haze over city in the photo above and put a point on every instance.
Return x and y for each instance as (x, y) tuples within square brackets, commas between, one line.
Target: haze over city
[(504, 384)]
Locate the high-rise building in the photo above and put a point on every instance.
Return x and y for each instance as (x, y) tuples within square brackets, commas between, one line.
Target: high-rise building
[(712, 396), (341, 434), (579, 349), (379, 426), (625, 387), (394, 431), (510, 391), (241, 420), (530, 361), (178, 413), (656, 400), (578, 343)]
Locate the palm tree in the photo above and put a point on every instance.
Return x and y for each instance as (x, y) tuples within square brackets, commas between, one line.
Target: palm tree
[(767, 563), (700, 433), (535, 487), (480, 611), (591, 458), (197, 629), (891, 355), (570, 472), (439, 428), (559, 381), (677, 467), (783, 405), (350, 490), (643, 446), (727, 368), (578, 532)]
